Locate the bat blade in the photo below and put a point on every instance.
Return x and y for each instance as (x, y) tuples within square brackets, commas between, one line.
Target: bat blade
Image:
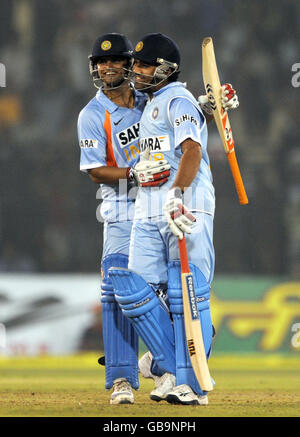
[(192, 323), (213, 90)]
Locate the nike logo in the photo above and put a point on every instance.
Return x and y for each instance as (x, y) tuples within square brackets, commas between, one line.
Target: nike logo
[(117, 122)]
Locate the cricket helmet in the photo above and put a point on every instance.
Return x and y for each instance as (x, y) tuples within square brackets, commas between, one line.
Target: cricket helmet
[(110, 44), (161, 51)]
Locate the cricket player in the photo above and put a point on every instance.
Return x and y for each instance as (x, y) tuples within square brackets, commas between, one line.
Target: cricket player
[(108, 132), (172, 128)]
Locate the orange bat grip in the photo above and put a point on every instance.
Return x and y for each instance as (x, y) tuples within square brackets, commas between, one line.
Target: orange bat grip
[(237, 178), (184, 262)]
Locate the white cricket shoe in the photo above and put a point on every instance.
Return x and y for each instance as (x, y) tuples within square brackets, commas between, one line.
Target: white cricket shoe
[(122, 393), (164, 384), (183, 394)]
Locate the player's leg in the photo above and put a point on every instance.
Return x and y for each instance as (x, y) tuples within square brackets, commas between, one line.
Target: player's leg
[(201, 260), (185, 377), (163, 383), (120, 338), (135, 292)]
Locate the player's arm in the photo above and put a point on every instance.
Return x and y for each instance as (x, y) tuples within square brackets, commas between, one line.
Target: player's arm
[(107, 175), (188, 124), (179, 218), (92, 142), (144, 174), (93, 158), (189, 164)]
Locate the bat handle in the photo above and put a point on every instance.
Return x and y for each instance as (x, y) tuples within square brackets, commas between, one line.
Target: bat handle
[(237, 177), (184, 262)]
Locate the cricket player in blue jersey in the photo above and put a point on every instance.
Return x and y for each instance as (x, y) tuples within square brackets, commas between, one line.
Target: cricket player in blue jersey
[(172, 128), (108, 132)]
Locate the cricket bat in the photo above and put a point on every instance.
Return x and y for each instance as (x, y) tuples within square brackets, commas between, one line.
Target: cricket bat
[(213, 90), (192, 322)]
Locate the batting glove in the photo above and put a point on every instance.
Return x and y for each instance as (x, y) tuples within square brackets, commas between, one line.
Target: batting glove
[(229, 99), (179, 218), (150, 173)]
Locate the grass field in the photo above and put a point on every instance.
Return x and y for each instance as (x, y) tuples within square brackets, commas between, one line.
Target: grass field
[(266, 386)]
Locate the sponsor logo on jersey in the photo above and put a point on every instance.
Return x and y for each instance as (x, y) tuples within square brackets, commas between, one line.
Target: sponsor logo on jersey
[(186, 117), (154, 144), (129, 135), (117, 122), (89, 144)]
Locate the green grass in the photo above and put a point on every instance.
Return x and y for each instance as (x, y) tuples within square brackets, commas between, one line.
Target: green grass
[(74, 387)]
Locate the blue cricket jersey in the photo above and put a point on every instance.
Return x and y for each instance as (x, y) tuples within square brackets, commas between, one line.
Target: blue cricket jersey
[(170, 117), (108, 136)]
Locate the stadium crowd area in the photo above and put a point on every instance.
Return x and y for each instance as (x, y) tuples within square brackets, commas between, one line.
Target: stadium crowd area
[(48, 208)]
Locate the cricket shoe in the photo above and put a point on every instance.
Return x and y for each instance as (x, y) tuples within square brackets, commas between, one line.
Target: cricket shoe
[(183, 394), (122, 393), (163, 385)]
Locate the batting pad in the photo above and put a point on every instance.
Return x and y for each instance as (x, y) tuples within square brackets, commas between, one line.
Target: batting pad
[(140, 303), (120, 338), (184, 369)]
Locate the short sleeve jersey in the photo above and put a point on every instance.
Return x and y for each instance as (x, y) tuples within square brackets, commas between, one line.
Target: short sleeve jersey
[(108, 136), (170, 117)]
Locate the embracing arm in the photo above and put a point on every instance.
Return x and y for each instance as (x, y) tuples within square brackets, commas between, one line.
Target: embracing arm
[(107, 175), (144, 173)]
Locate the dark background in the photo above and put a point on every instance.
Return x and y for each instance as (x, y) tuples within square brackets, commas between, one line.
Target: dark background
[(48, 208)]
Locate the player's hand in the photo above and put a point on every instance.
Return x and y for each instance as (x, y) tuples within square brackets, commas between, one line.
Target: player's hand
[(179, 218), (229, 99), (151, 173)]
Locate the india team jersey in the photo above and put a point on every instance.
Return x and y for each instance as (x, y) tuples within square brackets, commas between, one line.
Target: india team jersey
[(172, 116), (108, 136)]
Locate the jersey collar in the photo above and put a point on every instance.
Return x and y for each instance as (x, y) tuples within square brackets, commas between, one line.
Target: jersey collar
[(169, 85), (106, 102), (111, 106)]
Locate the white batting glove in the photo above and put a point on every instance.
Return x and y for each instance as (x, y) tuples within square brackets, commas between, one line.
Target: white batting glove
[(179, 218), (229, 99), (151, 173)]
